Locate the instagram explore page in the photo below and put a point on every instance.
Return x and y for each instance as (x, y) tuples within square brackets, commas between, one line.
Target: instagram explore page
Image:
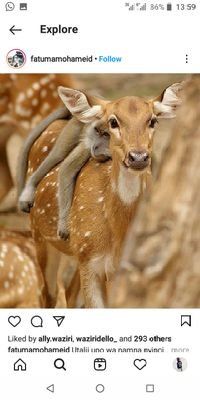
[(99, 200)]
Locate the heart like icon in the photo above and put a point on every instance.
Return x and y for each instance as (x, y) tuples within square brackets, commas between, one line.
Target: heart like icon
[(14, 321), (140, 363)]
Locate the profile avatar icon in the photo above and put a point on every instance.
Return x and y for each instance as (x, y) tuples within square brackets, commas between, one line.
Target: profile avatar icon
[(180, 364), (16, 58)]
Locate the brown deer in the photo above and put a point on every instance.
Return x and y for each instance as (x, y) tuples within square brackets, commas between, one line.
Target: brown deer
[(21, 281), (106, 194), (25, 99)]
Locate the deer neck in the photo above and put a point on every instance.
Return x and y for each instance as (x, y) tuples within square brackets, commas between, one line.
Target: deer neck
[(126, 186)]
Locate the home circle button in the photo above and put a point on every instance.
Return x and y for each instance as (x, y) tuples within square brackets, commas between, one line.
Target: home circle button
[(100, 388)]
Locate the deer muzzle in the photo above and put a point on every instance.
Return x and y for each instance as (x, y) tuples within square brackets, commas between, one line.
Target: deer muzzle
[(137, 160)]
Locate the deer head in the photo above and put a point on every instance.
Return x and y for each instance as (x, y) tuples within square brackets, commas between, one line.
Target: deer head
[(128, 123)]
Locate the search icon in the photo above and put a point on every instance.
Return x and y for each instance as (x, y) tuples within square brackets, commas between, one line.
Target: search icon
[(59, 363)]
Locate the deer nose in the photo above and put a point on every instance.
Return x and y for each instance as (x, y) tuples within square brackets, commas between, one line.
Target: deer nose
[(138, 159)]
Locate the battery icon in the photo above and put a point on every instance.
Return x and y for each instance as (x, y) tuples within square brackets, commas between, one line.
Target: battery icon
[(169, 6)]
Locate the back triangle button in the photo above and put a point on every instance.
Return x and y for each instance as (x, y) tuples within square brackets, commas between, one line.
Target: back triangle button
[(50, 388)]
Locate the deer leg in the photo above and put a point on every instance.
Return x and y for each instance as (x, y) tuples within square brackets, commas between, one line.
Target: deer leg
[(93, 287), (66, 183)]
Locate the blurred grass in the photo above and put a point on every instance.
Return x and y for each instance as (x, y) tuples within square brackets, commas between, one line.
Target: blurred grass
[(117, 85)]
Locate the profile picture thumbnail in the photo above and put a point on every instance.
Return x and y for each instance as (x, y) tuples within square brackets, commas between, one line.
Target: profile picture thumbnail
[(16, 58), (180, 364)]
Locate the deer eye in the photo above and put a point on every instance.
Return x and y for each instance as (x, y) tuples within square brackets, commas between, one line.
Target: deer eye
[(153, 122), (113, 123)]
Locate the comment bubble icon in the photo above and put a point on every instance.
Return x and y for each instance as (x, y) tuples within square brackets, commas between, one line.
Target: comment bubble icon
[(37, 321)]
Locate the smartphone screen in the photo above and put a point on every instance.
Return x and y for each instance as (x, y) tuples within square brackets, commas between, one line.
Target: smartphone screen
[(99, 200)]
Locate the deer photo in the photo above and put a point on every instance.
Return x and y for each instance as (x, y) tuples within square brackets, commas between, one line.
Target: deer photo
[(21, 281), (106, 193), (25, 99)]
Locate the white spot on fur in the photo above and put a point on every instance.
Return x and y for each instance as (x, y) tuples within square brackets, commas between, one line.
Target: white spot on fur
[(52, 86), (21, 97), (35, 102), (30, 93), (36, 86), (88, 233), (83, 247), (10, 275), (6, 284), (43, 93), (45, 107), (23, 112), (100, 199), (44, 149), (20, 290), (25, 124), (45, 80)]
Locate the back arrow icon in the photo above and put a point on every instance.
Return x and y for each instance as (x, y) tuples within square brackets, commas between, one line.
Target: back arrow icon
[(50, 388), (13, 30)]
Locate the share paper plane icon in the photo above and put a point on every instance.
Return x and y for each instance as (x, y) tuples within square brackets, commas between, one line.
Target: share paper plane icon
[(59, 319), (50, 388)]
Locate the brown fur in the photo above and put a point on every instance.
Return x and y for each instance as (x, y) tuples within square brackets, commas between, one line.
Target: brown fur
[(106, 195), (21, 281), (17, 93)]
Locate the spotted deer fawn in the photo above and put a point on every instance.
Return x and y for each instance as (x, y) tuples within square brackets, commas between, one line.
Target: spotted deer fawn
[(25, 99), (21, 281), (106, 194)]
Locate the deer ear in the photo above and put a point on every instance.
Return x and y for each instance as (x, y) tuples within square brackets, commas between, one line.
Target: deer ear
[(77, 103), (166, 104)]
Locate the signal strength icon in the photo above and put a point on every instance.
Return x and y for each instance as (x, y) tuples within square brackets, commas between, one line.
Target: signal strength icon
[(143, 7), (136, 6)]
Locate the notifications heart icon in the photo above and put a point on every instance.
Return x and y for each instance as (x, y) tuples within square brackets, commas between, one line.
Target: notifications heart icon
[(14, 321), (140, 363)]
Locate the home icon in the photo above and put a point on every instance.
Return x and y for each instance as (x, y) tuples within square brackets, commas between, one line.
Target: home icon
[(20, 365)]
